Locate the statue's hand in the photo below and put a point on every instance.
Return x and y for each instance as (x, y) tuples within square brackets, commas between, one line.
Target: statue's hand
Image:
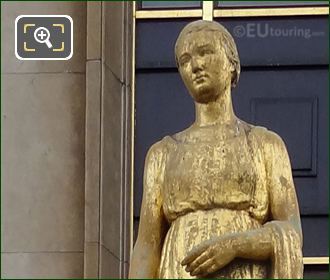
[(210, 256)]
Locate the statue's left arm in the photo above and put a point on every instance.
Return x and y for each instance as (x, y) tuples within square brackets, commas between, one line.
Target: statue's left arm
[(279, 240)]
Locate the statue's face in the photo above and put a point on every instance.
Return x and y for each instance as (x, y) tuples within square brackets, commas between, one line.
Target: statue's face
[(203, 65)]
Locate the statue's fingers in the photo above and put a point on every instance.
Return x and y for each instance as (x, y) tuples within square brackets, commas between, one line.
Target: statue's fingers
[(207, 274), (204, 268), (212, 269), (197, 262), (192, 255)]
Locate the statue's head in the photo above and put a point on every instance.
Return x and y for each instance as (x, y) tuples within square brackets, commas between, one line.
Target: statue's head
[(207, 59)]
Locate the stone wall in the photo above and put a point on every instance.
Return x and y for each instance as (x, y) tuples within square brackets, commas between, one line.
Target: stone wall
[(43, 152)]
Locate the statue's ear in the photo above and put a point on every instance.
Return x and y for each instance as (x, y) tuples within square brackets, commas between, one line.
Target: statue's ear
[(234, 75), (231, 67), (232, 72)]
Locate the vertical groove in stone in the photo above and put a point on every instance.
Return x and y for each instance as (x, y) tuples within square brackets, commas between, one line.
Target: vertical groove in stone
[(93, 140)]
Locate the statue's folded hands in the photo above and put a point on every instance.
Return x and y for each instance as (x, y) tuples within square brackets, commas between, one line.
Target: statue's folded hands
[(211, 255), (214, 254)]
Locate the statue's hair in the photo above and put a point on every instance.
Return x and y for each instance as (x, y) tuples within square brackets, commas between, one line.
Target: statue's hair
[(225, 40)]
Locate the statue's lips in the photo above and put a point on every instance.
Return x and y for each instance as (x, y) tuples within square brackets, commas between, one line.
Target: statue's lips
[(200, 79)]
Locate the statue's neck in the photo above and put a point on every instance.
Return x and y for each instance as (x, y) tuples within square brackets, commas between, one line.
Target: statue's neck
[(217, 112)]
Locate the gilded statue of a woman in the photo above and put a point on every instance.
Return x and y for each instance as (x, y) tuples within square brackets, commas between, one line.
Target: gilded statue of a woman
[(219, 199)]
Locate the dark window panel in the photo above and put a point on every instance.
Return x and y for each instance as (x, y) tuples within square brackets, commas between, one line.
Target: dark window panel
[(315, 236), (282, 114), (238, 4), (320, 271), (169, 4)]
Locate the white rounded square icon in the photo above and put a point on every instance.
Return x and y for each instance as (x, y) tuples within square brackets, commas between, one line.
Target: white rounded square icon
[(43, 37)]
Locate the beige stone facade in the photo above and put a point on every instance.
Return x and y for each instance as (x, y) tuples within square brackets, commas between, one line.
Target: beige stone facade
[(66, 147)]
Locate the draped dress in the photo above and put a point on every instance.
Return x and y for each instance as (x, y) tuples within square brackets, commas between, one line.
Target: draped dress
[(213, 188)]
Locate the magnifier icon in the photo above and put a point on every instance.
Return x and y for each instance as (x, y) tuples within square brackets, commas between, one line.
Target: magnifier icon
[(41, 35)]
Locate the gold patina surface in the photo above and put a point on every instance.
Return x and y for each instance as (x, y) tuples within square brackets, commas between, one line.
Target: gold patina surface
[(219, 199)]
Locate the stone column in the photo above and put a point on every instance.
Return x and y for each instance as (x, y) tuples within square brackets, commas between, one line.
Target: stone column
[(108, 139)]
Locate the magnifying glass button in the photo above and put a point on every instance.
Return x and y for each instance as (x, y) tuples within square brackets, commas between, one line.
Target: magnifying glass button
[(49, 44)]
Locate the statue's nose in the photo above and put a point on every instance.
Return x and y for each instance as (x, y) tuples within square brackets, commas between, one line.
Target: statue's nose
[(196, 65)]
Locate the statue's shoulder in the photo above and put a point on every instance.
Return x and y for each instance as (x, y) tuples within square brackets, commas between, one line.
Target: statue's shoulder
[(265, 136), (160, 147), (181, 136)]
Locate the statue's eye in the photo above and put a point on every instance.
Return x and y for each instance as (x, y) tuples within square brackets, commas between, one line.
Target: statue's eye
[(204, 52), (184, 60)]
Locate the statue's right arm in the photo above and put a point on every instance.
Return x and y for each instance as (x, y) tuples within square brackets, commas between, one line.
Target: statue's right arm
[(152, 229)]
